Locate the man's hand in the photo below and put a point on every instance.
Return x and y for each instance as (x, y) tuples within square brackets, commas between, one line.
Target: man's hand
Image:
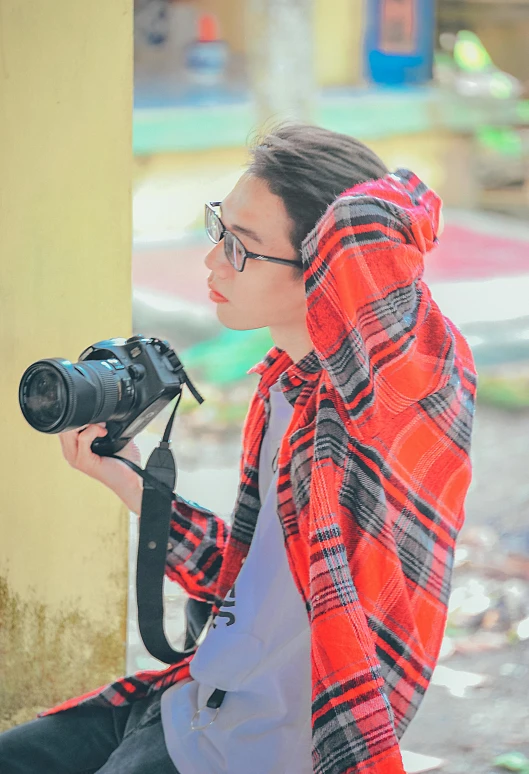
[(112, 473)]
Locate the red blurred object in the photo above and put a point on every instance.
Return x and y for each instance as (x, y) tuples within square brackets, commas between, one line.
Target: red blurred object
[(208, 28), (466, 254)]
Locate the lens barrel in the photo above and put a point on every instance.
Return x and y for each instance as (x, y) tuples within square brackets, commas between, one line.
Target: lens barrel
[(56, 395)]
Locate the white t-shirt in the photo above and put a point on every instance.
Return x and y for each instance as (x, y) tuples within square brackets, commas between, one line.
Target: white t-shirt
[(258, 651)]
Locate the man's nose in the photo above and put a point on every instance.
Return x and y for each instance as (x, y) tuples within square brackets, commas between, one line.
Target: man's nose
[(216, 261)]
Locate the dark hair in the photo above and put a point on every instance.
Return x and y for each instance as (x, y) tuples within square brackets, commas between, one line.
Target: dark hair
[(309, 167)]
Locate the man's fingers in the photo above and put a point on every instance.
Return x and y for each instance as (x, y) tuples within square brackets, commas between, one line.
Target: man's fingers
[(76, 443), (88, 435), (69, 442)]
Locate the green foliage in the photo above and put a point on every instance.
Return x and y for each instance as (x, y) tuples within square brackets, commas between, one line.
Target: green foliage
[(505, 391), (513, 761)]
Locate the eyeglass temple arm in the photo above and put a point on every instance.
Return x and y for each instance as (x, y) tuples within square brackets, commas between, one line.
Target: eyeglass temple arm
[(283, 261)]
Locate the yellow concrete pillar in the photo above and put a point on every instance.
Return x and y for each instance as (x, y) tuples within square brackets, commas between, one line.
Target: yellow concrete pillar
[(65, 282), (339, 41)]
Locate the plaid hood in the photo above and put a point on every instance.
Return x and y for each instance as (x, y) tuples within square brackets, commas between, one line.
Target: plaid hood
[(373, 474), (376, 330)]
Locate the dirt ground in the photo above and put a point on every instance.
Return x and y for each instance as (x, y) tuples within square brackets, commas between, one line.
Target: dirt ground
[(469, 732), (470, 729)]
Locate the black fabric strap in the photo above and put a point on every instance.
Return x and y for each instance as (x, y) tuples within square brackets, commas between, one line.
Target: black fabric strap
[(216, 699), (159, 482), (146, 476), (149, 475), (152, 554)]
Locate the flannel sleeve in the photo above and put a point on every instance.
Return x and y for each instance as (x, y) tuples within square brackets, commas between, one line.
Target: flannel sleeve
[(197, 540)]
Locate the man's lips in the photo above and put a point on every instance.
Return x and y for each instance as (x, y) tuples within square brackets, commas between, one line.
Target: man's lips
[(215, 295)]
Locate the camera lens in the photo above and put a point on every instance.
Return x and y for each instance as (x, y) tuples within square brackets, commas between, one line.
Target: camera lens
[(45, 397), (56, 395)]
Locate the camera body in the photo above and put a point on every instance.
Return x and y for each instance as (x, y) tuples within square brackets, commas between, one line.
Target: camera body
[(123, 382), (152, 376)]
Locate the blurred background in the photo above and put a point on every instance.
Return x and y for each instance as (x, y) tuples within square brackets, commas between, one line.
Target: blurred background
[(439, 87)]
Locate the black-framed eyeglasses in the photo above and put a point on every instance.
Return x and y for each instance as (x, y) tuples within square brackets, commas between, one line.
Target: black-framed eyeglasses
[(234, 250)]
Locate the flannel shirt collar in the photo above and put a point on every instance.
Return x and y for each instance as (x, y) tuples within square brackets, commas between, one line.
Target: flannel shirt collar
[(293, 377)]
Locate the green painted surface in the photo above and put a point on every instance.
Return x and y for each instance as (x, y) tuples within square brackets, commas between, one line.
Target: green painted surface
[(228, 357), (369, 114), (158, 130)]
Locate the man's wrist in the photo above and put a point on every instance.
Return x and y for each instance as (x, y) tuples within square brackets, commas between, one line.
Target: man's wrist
[(130, 494), (136, 495)]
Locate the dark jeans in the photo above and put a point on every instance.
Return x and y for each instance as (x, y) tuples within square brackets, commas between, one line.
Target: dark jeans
[(85, 740)]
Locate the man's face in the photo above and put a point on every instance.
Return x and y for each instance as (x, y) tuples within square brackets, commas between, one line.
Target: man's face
[(265, 294)]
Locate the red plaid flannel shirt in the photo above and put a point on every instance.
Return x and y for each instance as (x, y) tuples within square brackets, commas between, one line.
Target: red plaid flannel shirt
[(374, 470)]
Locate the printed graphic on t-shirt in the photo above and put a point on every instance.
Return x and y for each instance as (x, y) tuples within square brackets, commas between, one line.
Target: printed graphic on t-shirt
[(229, 615), (229, 601)]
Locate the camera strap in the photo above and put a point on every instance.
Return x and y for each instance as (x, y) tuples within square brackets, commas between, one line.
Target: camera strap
[(159, 482)]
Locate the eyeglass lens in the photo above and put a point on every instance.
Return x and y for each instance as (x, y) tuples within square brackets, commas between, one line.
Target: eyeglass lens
[(234, 251), (233, 247), (213, 226)]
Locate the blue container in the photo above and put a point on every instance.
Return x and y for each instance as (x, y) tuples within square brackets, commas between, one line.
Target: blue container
[(206, 60), (399, 41)]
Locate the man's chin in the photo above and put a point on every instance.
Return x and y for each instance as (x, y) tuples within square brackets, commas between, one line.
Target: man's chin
[(237, 325)]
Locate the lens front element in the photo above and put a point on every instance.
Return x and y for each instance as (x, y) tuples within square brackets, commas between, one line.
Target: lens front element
[(56, 395), (44, 397)]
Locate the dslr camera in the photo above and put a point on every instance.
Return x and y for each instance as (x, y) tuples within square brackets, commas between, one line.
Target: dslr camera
[(124, 383)]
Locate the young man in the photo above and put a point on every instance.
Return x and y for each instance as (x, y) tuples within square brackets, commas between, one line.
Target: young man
[(330, 588)]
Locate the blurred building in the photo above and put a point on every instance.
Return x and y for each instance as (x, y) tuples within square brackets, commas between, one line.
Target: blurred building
[(502, 25), (209, 72)]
